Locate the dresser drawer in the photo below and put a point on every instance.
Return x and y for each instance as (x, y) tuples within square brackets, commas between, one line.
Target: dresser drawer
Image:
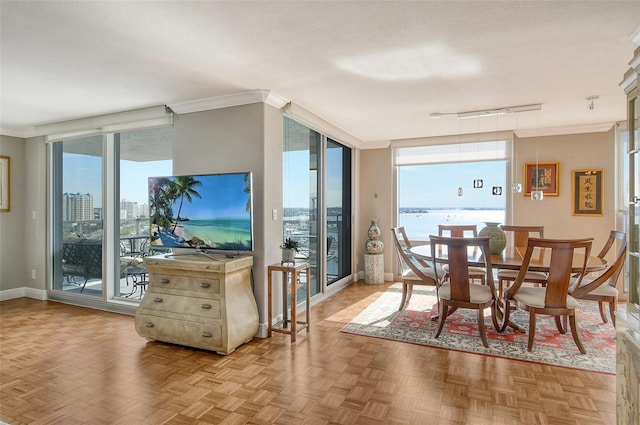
[(182, 332), (185, 283), (167, 303)]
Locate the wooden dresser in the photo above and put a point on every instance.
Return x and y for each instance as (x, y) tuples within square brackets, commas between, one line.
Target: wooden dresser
[(198, 302)]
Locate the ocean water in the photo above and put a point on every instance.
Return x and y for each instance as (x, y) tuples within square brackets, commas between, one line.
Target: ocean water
[(420, 225), (224, 233)]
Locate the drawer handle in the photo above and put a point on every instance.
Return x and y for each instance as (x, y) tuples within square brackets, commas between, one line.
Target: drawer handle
[(205, 285), (164, 280), (157, 300), (206, 306), (206, 334), (149, 324)]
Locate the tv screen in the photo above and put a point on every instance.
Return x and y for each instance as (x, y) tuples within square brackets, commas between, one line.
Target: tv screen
[(209, 211)]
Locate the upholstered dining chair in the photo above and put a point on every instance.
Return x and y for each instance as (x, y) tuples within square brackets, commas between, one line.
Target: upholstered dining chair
[(602, 289), (552, 299), (414, 271), (517, 236), (458, 291), (463, 231)]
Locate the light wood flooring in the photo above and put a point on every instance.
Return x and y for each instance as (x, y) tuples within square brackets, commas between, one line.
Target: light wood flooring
[(62, 364)]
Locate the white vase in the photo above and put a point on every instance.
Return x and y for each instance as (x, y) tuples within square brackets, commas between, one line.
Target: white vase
[(288, 255)]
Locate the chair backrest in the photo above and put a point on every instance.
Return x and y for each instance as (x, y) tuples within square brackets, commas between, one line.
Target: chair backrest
[(458, 230), (457, 249), (399, 235), (560, 253), (611, 273), (519, 235)]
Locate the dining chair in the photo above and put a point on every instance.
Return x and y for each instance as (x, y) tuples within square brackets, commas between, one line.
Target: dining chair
[(552, 299), (602, 289), (517, 236), (414, 271), (462, 231), (458, 291)]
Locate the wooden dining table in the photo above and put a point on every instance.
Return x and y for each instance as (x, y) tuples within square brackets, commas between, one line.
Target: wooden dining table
[(511, 258)]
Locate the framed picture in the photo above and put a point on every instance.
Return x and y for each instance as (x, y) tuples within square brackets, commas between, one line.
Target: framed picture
[(587, 192), (541, 176), (5, 187)]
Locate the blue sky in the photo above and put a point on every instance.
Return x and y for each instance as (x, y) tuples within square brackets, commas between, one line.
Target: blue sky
[(437, 185)]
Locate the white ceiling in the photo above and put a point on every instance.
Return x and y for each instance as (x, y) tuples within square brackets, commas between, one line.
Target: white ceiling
[(377, 70)]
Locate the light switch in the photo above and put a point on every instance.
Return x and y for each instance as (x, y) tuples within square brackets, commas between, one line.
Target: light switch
[(274, 214)]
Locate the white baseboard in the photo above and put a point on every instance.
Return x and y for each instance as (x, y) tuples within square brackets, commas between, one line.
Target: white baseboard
[(10, 294)]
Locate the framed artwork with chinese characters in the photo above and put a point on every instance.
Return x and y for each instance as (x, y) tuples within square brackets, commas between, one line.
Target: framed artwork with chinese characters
[(587, 192)]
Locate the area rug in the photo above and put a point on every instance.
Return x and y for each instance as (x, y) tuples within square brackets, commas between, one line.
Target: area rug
[(414, 325)]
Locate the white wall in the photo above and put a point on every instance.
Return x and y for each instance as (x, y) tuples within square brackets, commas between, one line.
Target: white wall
[(12, 223), (573, 152), (240, 138)]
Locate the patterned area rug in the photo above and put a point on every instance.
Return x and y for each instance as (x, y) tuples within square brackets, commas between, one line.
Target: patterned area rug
[(414, 325)]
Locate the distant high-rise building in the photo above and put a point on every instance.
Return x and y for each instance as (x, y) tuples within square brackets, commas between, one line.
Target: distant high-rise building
[(77, 206)]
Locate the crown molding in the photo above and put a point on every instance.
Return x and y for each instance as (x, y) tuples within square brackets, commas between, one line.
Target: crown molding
[(559, 131), (23, 133), (237, 99)]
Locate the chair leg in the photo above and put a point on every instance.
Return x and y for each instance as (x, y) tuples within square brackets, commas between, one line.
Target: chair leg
[(443, 310), (481, 328), (404, 297), (561, 329), (532, 328), (612, 311), (602, 314), (494, 316), (574, 332)]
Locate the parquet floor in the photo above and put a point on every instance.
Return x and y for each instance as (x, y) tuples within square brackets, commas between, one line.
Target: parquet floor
[(62, 364)]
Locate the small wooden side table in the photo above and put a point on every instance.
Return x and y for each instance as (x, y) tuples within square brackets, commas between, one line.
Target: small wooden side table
[(290, 273)]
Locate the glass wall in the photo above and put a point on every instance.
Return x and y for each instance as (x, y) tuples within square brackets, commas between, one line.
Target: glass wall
[(142, 154), (78, 227), (438, 185), (317, 202), (99, 187)]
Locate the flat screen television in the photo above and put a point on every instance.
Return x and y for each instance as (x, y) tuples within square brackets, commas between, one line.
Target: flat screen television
[(202, 212)]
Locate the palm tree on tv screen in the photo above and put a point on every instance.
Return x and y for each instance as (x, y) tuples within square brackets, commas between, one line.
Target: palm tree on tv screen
[(184, 188)]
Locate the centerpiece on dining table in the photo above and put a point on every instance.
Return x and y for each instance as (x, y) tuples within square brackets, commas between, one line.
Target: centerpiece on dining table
[(497, 237)]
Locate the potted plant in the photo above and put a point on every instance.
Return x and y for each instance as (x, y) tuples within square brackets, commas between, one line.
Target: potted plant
[(289, 249)]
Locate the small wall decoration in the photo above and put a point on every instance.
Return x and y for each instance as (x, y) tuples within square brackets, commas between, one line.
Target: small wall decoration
[(587, 192), (541, 176), (5, 187)]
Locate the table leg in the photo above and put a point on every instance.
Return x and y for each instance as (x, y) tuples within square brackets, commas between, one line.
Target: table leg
[(308, 270), (285, 313), (294, 301)]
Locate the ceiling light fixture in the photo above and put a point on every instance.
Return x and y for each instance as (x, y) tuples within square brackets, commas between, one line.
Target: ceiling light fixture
[(488, 112)]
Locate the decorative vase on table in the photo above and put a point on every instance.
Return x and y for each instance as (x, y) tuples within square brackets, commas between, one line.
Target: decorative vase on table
[(374, 244), (497, 237), (288, 255)]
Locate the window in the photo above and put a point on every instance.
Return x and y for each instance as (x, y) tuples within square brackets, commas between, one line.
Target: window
[(436, 186), (99, 211)]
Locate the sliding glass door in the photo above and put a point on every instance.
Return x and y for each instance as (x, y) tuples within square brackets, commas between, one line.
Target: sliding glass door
[(99, 211), (317, 202), (338, 211), (77, 216)]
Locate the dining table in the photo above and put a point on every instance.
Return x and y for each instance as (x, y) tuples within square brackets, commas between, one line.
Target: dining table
[(511, 258)]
